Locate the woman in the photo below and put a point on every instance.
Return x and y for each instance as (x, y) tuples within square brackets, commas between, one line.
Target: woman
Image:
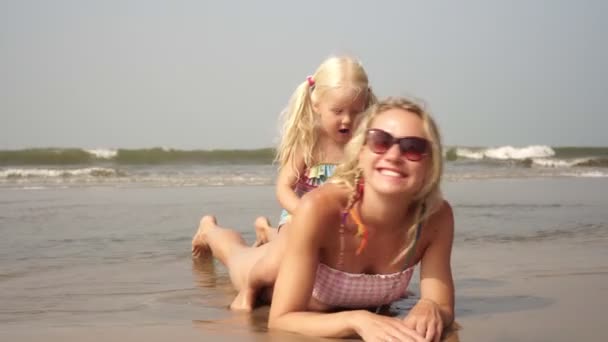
[(353, 243)]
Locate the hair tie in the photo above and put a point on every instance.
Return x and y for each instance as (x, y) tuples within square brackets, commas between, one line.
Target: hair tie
[(311, 81), (360, 186)]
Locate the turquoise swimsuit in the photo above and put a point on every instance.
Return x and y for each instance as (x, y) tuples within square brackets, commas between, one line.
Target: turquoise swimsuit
[(312, 178)]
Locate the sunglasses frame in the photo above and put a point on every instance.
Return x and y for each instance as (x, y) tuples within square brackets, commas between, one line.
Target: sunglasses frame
[(410, 153)]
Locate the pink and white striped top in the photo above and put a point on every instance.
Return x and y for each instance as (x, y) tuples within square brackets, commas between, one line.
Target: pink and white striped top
[(341, 289), (358, 290)]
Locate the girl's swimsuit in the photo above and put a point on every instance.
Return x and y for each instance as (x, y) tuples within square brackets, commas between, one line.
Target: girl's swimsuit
[(311, 179)]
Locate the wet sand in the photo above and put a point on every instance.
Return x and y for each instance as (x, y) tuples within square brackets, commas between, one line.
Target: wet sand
[(99, 264)]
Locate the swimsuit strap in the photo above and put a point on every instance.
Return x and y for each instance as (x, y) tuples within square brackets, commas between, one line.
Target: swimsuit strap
[(341, 231)]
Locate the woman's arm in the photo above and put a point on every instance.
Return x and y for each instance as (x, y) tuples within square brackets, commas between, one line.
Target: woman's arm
[(435, 310), (293, 287), (318, 212), (436, 283), (286, 181)]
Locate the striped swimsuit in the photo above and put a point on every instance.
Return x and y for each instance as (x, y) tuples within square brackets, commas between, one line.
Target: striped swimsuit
[(341, 289)]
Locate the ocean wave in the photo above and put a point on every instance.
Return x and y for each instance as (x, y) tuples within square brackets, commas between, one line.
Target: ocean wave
[(45, 156), (161, 176), (55, 173), (577, 162), (102, 153), (594, 162), (557, 162), (589, 174), (506, 152), (535, 155), (150, 156), (581, 152)]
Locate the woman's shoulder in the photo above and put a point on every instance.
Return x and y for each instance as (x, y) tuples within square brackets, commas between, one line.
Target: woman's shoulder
[(443, 210), (441, 219), (323, 204)]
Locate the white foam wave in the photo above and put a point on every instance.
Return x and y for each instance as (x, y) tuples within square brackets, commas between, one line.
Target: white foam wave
[(548, 162), (50, 173), (507, 152), (467, 153), (588, 174), (103, 153)]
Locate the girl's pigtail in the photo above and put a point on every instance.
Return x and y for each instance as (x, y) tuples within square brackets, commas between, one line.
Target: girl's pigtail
[(357, 192), (355, 196), (298, 124)]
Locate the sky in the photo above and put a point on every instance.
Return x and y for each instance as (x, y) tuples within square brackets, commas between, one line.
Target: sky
[(216, 74)]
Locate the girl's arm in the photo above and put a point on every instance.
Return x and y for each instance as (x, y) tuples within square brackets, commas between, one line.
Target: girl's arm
[(435, 310), (318, 211), (286, 181)]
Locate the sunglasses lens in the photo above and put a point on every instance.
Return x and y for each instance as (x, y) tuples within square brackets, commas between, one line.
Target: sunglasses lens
[(379, 141), (413, 148)]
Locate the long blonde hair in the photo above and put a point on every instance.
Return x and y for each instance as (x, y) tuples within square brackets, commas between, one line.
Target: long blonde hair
[(299, 132), (428, 199)]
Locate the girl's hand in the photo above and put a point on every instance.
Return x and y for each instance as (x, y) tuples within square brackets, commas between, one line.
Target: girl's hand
[(377, 328), (425, 319)]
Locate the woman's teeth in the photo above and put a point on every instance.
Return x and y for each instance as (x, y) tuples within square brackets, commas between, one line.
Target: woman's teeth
[(391, 173)]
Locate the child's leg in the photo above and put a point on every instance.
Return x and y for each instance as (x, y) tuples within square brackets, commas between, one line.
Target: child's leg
[(264, 232)]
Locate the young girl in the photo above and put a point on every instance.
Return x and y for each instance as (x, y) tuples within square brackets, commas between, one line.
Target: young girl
[(317, 123)]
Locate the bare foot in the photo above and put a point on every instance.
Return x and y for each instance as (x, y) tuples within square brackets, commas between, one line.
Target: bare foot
[(244, 301), (200, 248), (263, 231)]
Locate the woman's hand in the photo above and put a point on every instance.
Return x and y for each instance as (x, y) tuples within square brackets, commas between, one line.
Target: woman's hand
[(435, 309), (425, 319), (377, 328)]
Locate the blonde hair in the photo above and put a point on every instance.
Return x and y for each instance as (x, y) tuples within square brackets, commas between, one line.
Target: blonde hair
[(428, 199), (299, 133)]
